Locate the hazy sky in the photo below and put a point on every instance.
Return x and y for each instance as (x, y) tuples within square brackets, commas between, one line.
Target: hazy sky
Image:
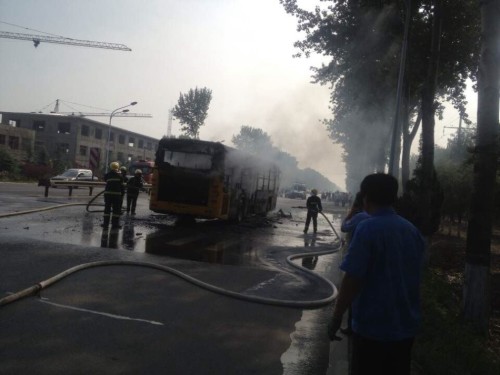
[(240, 49)]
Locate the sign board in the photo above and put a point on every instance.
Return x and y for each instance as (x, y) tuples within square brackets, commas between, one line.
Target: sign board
[(95, 157)]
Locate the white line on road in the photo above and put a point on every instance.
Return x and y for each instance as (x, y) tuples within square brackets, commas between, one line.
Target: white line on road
[(45, 300)]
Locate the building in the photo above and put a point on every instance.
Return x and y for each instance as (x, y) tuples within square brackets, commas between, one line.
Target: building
[(79, 141), (18, 142)]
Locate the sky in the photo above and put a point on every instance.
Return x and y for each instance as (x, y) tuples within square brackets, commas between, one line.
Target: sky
[(242, 50)]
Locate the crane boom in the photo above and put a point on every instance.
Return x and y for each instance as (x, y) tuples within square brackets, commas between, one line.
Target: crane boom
[(37, 39), (104, 114)]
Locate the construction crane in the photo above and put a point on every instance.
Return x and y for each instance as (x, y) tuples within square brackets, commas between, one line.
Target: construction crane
[(37, 39), (169, 127), (78, 113)]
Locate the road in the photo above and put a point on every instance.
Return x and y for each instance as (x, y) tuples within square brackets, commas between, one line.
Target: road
[(124, 319)]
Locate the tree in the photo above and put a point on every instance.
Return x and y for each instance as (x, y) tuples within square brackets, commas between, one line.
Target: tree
[(7, 162), (252, 140), (476, 296), (191, 110), (361, 40)]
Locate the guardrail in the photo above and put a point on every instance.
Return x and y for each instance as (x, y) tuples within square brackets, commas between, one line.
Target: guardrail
[(76, 184)]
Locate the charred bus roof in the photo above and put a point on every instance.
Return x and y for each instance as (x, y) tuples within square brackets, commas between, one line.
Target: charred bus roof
[(217, 149), (191, 146)]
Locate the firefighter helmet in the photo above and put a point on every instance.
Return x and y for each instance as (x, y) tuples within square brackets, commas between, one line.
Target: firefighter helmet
[(123, 169), (138, 171), (314, 192), (115, 165)]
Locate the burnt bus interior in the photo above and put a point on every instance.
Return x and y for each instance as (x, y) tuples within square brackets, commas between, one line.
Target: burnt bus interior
[(209, 174), (186, 169)]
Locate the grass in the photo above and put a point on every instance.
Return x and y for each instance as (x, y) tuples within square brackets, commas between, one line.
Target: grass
[(446, 345)]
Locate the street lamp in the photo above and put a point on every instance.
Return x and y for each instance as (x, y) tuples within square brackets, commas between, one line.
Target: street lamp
[(118, 110)]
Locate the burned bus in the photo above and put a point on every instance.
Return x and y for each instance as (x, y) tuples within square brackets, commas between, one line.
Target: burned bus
[(209, 180)]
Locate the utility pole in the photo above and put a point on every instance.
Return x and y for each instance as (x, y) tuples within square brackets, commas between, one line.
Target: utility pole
[(397, 114), (169, 127)]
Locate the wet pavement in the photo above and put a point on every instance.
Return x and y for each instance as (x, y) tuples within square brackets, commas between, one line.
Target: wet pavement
[(129, 320)]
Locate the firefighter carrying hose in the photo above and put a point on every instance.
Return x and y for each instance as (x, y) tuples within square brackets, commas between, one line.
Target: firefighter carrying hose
[(113, 196), (313, 204), (134, 184)]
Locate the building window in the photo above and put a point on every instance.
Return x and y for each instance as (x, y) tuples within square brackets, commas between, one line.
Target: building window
[(15, 123), (2, 139), (63, 147), (120, 157), (141, 143), (121, 139), (129, 158), (63, 128), (98, 133), (14, 143), (83, 150), (131, 142), (39, 126), (149, 146), (111, 137), (85, 131), (26, 143), (39, 145)]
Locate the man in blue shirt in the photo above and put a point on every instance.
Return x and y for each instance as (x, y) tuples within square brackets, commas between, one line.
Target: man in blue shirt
[(382, 280)]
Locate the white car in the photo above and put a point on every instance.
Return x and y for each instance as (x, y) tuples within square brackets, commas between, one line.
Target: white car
[(74, 175)]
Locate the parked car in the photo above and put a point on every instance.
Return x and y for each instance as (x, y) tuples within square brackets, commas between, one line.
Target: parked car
[(297, 191), (74, 175)]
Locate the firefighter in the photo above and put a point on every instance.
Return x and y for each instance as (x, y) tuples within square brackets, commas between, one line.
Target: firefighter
[(134, 184), (123, 172), (313, 204), (113, 196)]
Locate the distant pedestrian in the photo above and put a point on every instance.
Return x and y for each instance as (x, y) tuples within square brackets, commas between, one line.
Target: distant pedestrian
[(134, 185), (355, 216), (112, 196), (313, 204), (382, 278)]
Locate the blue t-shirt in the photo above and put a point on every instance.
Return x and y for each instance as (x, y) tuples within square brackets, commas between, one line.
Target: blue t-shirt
[(386, 253)]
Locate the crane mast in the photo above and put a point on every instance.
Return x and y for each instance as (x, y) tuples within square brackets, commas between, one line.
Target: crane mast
[(37, 39)]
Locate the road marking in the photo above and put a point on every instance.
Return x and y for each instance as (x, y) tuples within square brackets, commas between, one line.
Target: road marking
[(45, 300)]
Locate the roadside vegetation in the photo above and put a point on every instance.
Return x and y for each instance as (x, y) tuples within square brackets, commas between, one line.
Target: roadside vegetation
[(31, 170)]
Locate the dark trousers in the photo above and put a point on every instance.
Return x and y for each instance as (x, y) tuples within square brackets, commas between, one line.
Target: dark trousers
[(314, 216), (131, 202), (112, 209), (380, 357)]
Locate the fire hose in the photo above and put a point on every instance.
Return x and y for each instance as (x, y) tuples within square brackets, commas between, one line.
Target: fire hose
[(305, 304)]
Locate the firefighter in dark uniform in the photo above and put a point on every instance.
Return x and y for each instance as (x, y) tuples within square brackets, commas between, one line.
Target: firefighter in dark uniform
[(313, 204), (113, 196), (134, 184)]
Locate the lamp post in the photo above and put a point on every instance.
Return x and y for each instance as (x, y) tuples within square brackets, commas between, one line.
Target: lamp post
[(117, 110)]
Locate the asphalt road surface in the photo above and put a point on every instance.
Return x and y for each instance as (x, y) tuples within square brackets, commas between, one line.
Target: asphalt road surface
[(129, 320)]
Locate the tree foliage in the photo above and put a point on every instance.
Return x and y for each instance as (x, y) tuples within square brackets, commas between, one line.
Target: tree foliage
[(192, 109), (7, 162), (252, 140), (361, 41)]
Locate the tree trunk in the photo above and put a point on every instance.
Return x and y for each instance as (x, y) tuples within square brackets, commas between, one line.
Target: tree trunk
[(476, 294), (428, 113), (408, 137)]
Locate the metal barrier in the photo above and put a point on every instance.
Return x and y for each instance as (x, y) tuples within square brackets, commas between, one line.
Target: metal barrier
[(76, 184)]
